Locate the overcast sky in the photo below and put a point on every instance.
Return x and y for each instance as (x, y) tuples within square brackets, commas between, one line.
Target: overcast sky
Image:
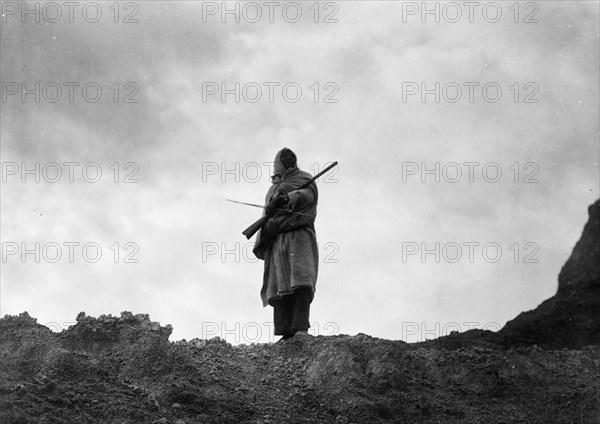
[(358, 86)]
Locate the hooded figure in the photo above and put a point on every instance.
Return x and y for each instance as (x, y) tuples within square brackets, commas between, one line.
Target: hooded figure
[(288, 245)]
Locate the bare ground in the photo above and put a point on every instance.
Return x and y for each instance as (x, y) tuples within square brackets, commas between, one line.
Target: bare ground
[(124, 370)]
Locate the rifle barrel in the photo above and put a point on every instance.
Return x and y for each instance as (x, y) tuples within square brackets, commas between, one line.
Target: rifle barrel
[(316, 177)]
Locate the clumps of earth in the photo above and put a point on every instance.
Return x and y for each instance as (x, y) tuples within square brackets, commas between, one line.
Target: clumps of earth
[(542, 367)]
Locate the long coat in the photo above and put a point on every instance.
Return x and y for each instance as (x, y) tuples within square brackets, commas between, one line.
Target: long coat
[(292, 258)]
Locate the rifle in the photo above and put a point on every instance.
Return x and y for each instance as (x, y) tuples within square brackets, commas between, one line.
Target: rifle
[(252, 229)]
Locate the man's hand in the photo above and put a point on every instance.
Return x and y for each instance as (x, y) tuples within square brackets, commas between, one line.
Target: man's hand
[(276, 203), (270, 229)]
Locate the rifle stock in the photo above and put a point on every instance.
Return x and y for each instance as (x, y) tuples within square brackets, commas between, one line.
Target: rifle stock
[(252, 229)]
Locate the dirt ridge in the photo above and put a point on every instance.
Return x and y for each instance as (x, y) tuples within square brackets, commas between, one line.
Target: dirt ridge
[(542, 367)]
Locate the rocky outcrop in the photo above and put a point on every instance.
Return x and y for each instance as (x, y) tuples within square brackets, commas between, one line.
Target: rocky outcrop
[(581, 272), (571, 318)]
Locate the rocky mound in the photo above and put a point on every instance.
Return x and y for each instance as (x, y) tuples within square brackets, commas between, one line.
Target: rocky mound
[(124, 370), (571, 318), (542, 367)]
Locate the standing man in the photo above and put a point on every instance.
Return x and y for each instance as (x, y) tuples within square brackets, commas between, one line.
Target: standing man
[(288, 245)]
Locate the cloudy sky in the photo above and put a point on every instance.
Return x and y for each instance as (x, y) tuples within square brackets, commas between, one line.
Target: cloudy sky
[(467, 144)]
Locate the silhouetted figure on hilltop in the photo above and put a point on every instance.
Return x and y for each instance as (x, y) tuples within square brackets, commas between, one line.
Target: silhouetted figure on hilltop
[(288, 245)]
